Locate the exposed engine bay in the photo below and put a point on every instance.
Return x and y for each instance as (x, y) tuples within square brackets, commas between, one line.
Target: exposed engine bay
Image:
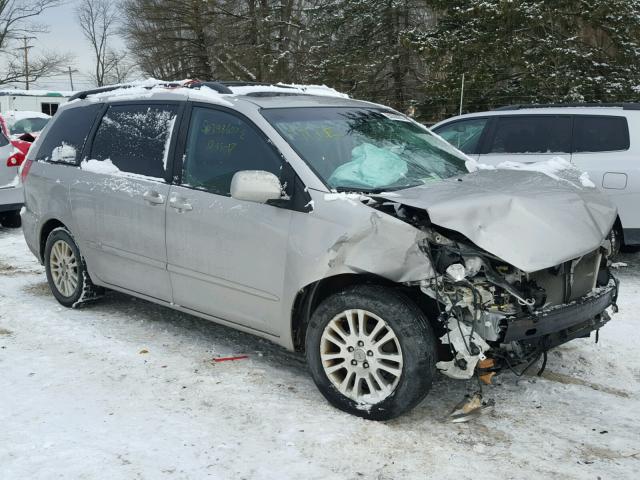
[(496, 316), (484, 300)]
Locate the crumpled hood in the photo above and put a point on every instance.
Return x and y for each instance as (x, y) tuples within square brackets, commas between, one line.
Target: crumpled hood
[(528, 219)]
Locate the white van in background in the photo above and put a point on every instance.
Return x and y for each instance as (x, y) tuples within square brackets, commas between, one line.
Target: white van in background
[(601, 139)]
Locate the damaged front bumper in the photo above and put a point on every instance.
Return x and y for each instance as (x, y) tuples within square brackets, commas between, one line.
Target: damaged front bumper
[(563, 322), (525, 336), (494, 313)]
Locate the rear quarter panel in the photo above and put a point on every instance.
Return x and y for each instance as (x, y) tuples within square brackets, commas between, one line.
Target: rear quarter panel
[(46, 193)]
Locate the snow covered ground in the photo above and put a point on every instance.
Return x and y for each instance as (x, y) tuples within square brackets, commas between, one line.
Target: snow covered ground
[(126, 389)]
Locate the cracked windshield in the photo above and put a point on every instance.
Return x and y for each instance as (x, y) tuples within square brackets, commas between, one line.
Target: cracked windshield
[(366, 149)]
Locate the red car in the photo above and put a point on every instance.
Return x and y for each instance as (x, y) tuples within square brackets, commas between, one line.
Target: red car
[(21, 140)]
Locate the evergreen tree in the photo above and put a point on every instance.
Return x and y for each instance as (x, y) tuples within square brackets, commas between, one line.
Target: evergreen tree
[(514, 52), (402, 53), (361, 47)]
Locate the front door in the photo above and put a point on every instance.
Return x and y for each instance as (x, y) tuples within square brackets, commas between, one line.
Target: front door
[(226, 257), (120, 196)]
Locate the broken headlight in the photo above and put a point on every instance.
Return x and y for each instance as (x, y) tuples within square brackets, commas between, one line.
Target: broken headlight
[(456, 272)]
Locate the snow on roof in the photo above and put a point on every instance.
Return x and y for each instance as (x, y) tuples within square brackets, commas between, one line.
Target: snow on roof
[(207, 94), (147, 88), (17, 115), (152, 87), (321, 90), (16, 92)]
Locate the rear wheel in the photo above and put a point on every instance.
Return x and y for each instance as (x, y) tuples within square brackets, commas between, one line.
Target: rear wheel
[(371, 352), (10, 219), (66, 270)]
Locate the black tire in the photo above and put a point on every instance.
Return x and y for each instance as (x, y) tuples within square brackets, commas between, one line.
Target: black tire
[(85, 290), (616, 240), (11, 219), (413, 331)]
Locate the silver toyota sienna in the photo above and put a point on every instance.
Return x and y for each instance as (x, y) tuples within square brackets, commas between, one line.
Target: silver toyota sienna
[(331, 226)]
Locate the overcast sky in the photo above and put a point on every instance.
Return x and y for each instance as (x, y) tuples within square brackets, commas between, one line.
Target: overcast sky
[(65, 36)]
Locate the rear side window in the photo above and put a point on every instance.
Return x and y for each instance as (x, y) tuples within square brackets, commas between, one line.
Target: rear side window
[(464, 135), (136, 138), (64, 140), (221, 144), (600, 134), (532, 134)]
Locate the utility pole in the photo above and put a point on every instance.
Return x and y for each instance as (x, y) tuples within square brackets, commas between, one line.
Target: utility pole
[(26, 48), (71, 72), (461, 94)]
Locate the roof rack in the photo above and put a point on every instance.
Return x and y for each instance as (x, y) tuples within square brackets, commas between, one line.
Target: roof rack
[(240, 83), (220, 86), (624, 105), (110, 88)]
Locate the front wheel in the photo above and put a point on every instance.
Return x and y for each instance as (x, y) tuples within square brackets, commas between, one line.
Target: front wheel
[(371, 352), (66, 270), (616, 240)]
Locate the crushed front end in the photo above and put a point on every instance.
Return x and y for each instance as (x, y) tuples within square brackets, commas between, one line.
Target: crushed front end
[(496, 316)]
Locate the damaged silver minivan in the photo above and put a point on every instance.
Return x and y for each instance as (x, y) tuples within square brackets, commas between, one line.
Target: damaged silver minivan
[(331, 226)]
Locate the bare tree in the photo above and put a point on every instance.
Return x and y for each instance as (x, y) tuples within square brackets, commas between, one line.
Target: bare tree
[(43, 65), (119, 67), (17, 20), (98, 20)]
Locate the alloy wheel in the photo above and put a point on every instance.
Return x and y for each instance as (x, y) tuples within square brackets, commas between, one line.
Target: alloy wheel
[(361, 356), (64, 268)]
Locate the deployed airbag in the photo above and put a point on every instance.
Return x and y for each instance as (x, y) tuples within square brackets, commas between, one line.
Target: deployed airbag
[(370, 167)]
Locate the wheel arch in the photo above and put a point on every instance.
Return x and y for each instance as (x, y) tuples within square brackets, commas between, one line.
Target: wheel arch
[(48, 227), (309, 297), (618, 226)]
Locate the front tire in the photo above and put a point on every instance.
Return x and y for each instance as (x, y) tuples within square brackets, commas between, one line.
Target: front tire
[(67, 271), (616, 240), (371, 352)]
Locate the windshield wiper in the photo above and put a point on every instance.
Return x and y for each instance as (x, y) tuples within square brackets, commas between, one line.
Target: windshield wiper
[(372, 190)]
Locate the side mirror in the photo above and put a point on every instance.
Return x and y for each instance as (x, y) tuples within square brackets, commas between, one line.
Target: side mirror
[(255, 186)]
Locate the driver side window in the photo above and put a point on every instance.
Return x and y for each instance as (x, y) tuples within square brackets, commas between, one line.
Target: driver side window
[(220, 144)]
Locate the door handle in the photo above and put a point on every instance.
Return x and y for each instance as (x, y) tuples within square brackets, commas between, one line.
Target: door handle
[(152, 197), (180, 204)]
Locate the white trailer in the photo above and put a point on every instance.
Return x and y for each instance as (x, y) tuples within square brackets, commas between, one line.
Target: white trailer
[(45, 101)]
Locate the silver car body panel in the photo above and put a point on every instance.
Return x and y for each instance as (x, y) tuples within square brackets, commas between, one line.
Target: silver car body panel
[(526, 218), (243, 264), (240, 274), (121, 232)]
